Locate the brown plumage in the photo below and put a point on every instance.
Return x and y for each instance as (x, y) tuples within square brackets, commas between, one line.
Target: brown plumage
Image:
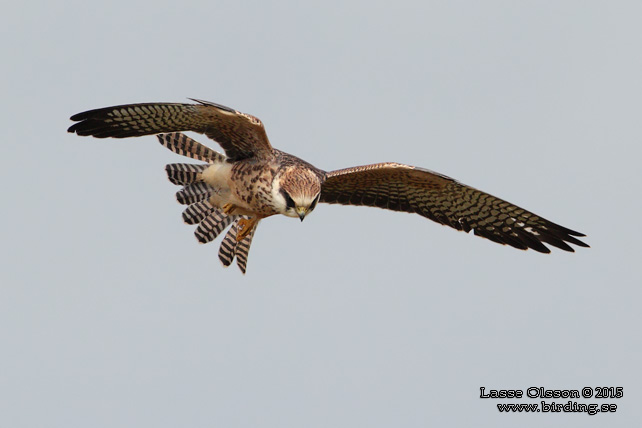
[(253, 181), (241, 135), (410, 189)]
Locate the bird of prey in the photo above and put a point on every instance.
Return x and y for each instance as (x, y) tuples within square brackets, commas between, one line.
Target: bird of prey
[(253, 181)]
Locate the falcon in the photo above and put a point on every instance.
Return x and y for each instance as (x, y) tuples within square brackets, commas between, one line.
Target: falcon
[(253, 181)]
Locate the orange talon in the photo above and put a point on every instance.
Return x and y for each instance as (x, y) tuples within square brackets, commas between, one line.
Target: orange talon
[(245, 226)]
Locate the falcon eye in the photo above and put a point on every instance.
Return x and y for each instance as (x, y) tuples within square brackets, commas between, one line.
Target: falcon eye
[(314, 202), (288, 200)]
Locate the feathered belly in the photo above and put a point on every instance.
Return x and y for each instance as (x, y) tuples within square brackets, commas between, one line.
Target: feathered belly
[(251, 187), (245, 186)]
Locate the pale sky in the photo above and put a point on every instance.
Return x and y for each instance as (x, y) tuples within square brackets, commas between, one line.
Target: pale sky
[(112, 315)]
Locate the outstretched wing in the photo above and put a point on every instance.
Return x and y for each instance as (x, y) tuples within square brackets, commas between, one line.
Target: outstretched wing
[(406, 188), (240, 135)]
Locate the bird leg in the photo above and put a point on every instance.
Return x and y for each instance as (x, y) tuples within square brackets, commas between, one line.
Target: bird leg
[(229, 209), (245, 226)]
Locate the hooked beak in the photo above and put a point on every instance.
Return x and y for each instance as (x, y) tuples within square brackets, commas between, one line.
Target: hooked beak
[(301, 212)]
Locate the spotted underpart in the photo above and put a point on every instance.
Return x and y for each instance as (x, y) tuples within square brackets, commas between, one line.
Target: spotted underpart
[(253, 184), (253, 181)]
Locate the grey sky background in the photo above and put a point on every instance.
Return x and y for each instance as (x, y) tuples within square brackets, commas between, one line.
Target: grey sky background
[(112, 315)]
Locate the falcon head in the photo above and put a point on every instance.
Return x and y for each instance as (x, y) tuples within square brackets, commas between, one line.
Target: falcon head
[(296, 191)]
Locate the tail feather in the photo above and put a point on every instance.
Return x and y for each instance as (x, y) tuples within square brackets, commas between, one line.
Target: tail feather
[(185, 146), (243, 249), (227, 250), (212, 226), (197, 212), (183, 174), (230, 248), (194, 192)]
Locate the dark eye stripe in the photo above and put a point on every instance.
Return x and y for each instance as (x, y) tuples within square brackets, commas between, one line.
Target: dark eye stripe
[(288, 200), (314, 203)]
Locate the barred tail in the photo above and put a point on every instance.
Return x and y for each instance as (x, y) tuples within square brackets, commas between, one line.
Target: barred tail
[(230, 248), (183, 174), (194, 192), (185, 146), (212, 226), (243, 249), (197, 212), (227, 251)]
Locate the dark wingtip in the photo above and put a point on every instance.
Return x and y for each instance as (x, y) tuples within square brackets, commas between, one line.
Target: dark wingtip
[(209, 103), (80, 128), (79, 116), (580, 243), (81, 121)]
